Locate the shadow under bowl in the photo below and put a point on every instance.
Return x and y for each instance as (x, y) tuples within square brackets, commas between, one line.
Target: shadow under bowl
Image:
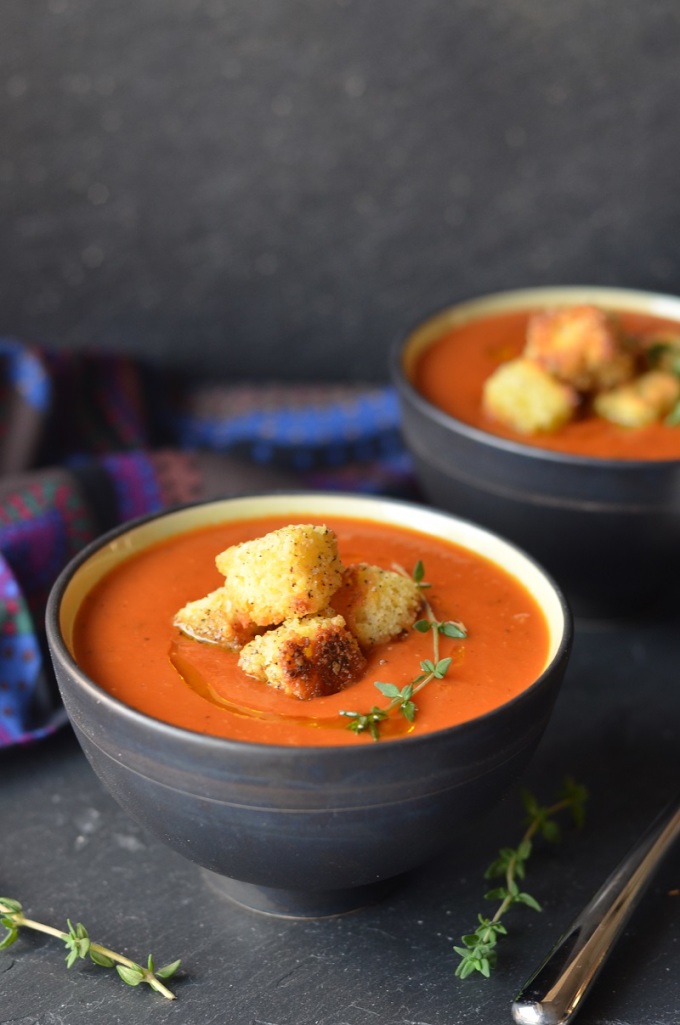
[(302, 831), (608, 530)]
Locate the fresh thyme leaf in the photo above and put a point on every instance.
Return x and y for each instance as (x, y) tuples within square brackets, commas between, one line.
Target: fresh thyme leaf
[(551, 831), (499, 867), (655, 352), (390, 690), (131, 976), (400, 701), (451, 629), (479, 951), (11, 935), (523, 852), (419, 575), (101, 959), (13, 906), (500, 893), (526, 898), (419, 571), (168, 970), (667, 352), (408, 710)]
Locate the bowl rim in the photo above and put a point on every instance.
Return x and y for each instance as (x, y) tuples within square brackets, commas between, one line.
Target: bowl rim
[(59, 649), (493, 441)]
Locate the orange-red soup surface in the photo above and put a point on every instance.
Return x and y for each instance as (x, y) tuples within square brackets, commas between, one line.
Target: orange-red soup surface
[(452, 371), (126, 642)]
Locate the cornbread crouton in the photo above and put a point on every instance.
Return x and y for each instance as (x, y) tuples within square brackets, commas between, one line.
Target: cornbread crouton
[(215, 619), (287, 573), (306, 658), (524, 396), (645, 400), (581, 346), (377, 604)]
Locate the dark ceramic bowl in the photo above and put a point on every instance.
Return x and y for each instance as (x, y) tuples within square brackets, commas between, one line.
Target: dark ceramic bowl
[(302, 831), (607, 530)]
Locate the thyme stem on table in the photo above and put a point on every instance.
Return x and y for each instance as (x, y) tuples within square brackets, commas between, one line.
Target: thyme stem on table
[(478, 954), (79, 945)]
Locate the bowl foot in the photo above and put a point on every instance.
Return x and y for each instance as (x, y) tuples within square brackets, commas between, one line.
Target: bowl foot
[(281, 903)]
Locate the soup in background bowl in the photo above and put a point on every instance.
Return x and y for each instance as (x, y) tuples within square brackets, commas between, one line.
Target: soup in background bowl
[(596, 502), (288, 809)]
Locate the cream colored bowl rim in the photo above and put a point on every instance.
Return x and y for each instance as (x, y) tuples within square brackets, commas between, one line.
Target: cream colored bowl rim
[(613, 299)]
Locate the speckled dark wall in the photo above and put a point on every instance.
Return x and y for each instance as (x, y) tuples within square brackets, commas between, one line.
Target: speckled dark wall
[(280, 186)]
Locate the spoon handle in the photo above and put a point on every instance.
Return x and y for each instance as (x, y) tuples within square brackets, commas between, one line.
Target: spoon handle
[(559, 985)]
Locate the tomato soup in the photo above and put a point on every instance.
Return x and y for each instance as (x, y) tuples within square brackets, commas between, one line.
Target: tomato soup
[(452, 371), (124, 639)]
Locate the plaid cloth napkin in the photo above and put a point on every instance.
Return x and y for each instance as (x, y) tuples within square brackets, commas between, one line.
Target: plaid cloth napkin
[(88, 441)]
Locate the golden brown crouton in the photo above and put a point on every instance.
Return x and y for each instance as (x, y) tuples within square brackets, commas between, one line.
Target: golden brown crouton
[(581, 346), (525, 397), (646, 399), (306, 658), (288, 572), (377, 604), (215, 619)]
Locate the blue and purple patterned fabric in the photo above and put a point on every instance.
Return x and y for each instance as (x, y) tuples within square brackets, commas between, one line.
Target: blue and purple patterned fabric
[(88, 441)]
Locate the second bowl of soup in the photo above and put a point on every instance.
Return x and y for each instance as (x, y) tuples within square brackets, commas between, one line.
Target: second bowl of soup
[(552, 415)]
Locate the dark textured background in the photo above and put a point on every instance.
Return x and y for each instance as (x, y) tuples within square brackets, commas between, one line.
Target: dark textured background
[(284, 185)]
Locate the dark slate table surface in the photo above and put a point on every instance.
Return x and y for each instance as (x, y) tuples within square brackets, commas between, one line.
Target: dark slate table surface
[(67, 850)]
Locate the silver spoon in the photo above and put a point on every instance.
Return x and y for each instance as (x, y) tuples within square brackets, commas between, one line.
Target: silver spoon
[(556, 990)]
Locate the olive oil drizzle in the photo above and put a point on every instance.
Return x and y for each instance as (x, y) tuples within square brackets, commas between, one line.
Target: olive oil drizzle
[(196, 682)]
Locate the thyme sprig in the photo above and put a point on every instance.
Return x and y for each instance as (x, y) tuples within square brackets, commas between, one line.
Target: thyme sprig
[(401, 699), (79, 945), (478, 954)]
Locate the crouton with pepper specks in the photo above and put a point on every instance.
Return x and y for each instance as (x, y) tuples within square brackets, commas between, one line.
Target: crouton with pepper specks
[(307, 658), (215, 619), (290, 572), (378, 604)]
